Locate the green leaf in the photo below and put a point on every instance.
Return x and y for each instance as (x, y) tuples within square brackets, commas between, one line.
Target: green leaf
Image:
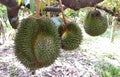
[(32, 5), (106, 74), (20, 2), (42, 5)]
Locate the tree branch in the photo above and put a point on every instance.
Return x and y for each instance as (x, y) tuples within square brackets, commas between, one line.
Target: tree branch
[(77, 4), (108, 11), (53, 9)]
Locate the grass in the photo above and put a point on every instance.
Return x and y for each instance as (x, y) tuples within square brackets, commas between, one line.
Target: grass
[(108, 55), (107, 69)]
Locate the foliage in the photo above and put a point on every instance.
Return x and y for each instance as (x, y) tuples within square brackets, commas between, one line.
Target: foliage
[(3, 12), (32, 5), (19, 2), (112, 4), (43, 4), (108, 70), (76, 15), (4, 18)]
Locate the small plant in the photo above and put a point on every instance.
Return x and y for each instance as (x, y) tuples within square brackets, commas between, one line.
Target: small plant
[(108, 70), (109, 55)]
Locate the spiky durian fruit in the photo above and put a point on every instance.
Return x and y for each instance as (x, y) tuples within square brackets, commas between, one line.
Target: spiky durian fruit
[(71, 36), (95, 24), (47, 42), (37, 43)]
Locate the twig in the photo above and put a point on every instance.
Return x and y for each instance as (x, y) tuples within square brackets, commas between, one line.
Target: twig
[(53, 9)]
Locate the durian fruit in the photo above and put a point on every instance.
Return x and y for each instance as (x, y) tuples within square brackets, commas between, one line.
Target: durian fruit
[(37, 43), (71, 36), (95, 24)]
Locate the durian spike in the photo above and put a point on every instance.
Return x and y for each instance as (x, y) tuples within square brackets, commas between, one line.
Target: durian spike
[(37, 9), (62, 11)]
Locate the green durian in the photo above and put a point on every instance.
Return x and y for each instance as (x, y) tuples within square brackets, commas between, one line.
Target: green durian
[(71, 36), (37, 43), (95, 24)]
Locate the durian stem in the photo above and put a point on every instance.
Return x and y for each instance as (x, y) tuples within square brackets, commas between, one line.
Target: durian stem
[(95, 7), (48, 13), (37, 9), (62, 11)]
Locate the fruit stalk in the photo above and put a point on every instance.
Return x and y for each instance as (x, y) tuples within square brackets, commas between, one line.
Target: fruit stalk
[(37, 9), (62, 11)]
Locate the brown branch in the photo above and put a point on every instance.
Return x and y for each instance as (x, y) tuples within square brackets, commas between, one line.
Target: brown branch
[(77, 4), (62, 11), (53, 9), (108, 11)]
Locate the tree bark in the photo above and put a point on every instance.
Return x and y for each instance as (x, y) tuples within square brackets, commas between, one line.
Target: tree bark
[(77, 4), (9, 3), (53, 9)]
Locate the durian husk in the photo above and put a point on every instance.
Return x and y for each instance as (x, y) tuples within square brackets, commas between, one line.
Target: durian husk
[(95, 24), (71, 36), (47, 43), (37, 43)]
